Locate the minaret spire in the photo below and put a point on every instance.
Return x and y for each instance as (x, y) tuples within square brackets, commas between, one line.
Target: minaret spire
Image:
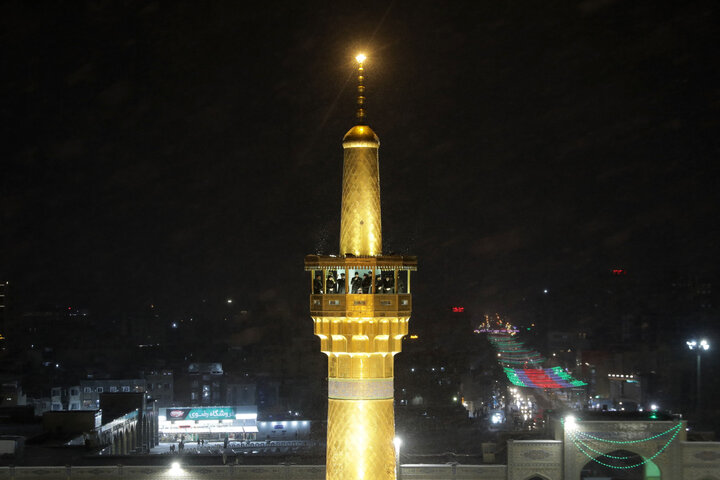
[(360, 222), (360, 118)]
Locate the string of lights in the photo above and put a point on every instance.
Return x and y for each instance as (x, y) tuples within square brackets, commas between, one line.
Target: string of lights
[(626, 442), (585, 448), (512, 353), (540, 378)]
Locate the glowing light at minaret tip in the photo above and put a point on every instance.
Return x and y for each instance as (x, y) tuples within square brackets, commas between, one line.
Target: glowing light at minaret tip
[(360, 303)]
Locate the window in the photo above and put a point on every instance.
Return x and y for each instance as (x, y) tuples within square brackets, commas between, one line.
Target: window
[(403, 281), (113, 389), (318, 287), (331, 278), (74, 392), (100, 389), (87, 389), (385, 281), (125, 389)]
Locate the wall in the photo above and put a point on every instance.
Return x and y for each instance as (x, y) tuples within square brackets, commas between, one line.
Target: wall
[(530, 457), (246, 472)]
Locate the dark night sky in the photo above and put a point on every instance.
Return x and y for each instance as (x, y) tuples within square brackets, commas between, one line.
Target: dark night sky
[(165, 151)]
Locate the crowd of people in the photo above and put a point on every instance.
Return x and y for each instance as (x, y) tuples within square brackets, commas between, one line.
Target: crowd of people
[(366, 284)]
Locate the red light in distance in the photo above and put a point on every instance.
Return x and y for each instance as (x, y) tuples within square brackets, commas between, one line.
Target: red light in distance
[(458, 309)]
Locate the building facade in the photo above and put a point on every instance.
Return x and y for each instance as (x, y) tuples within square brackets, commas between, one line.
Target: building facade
[(237, 423)]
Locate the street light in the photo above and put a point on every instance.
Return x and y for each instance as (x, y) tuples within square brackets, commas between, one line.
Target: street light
[(570, 423), (397, 441), (698, 347)]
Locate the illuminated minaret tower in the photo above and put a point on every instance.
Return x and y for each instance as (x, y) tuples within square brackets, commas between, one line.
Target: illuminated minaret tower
[(360, 305)]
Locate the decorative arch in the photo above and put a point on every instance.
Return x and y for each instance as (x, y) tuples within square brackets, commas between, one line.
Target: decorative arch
[(633, 454), (122, 449), (145, 433), (132, 439), (622, 464)]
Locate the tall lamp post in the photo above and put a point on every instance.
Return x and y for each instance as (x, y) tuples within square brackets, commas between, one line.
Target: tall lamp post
[(397, 441), (698, 347)]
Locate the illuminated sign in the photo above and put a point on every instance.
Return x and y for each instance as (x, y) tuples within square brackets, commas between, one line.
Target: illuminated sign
[(458, 309), (511, 330), (215, 413)]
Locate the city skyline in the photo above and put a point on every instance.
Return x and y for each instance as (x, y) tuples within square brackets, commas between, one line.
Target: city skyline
[(167, 167)]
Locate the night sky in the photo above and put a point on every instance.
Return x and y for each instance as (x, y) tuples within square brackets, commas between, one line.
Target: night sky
[(165, 152)]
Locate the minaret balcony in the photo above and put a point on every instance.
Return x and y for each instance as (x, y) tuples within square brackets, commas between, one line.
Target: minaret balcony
[(363, 287), (361, 305)]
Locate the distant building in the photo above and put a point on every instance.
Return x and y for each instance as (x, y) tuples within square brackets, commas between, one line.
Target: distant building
[(208, 423), (240, 391), (92, 389), (65, 398), (160, 387), (86, 395), (11, 394), (202, 384), (49, 327), (4, 308), (284, 430)]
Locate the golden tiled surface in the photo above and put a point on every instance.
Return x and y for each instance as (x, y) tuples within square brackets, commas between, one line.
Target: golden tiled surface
[(361, 335), (359, 442), (360, 366), (360, 228)]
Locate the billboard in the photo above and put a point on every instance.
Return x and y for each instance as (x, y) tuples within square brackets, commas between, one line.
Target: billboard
[(212, 413)]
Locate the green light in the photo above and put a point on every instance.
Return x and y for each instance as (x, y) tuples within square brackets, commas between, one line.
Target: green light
[(513, 377), (587, 435), (584, 448), (562, 374)]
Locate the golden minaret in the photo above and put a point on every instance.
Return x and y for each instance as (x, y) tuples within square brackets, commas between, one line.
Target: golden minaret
[(360, 305)]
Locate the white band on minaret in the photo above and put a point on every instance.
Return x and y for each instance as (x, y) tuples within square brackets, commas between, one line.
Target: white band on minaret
[(360, 389)]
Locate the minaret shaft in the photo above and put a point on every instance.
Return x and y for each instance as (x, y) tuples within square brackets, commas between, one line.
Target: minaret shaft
[(360, 223)]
